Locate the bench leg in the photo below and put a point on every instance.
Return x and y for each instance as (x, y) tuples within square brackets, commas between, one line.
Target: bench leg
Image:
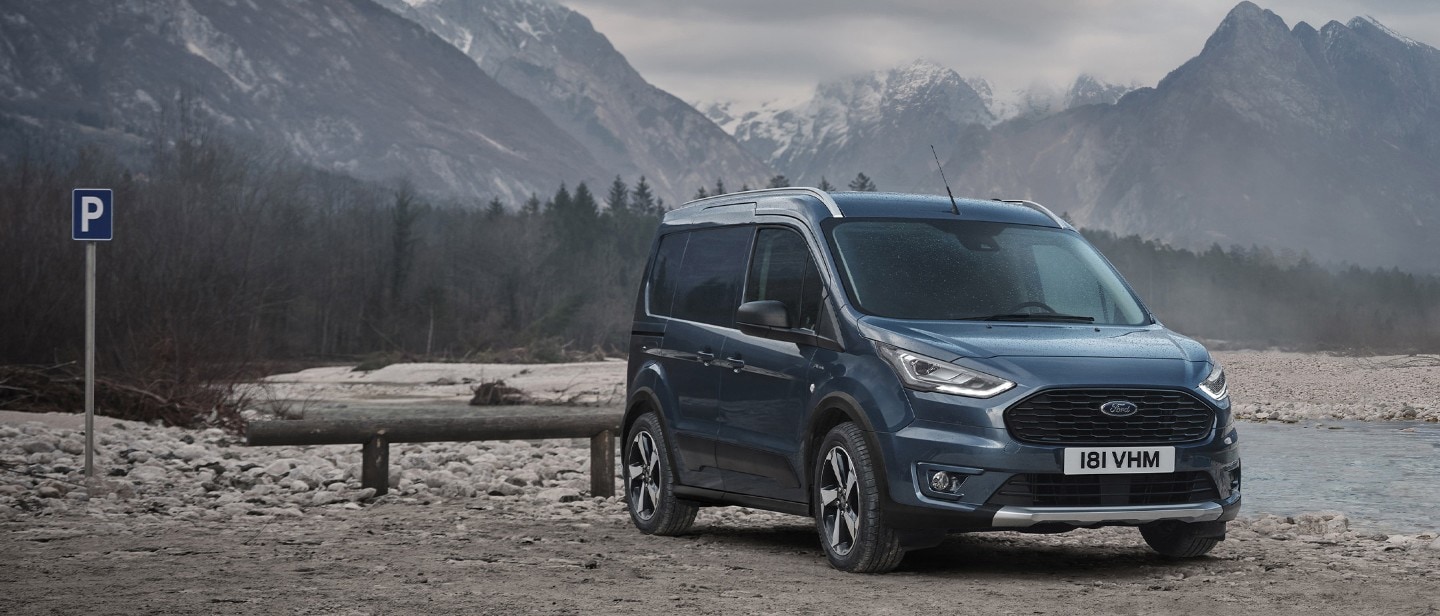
[(375, 465), (602, 464)]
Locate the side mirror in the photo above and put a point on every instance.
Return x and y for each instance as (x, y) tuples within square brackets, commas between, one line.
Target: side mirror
[(764, 313)]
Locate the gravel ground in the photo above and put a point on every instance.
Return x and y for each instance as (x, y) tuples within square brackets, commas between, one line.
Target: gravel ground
[(1290, 387), (194, 522)]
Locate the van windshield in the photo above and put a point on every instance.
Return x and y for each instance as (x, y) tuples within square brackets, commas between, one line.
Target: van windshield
[(968, 270)]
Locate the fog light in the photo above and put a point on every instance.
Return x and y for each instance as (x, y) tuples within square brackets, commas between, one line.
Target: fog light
[(940, 481)]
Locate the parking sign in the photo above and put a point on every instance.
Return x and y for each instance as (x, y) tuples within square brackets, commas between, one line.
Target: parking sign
[(92, 214)]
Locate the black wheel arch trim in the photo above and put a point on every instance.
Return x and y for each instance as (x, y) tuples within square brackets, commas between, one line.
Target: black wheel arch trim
[(851, 408)]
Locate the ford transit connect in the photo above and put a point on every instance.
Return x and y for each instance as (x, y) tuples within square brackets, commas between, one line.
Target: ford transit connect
[(899, 367)]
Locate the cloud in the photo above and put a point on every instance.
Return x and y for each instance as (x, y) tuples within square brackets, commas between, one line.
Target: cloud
[(756, 50)]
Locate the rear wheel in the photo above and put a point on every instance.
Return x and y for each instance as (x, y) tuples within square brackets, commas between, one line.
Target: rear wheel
[(650, 481), (1183, 540), (847, 505)]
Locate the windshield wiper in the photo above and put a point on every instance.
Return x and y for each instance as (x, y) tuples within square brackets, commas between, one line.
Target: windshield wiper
[(1034, 316)]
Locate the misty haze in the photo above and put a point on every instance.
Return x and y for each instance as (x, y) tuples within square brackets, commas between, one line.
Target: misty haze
[(440, 212)]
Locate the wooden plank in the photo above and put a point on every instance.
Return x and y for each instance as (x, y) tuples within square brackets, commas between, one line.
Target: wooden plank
[(375, 465), (602, 464), (431, 430)]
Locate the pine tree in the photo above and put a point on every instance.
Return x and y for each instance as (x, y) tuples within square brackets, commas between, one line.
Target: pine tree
[(560, 203), (744, 188), (619, 197), (862, 183), (825, 185), (701, 194), (584, 203), (494, 209), (778, 181), (641, 199), (532, 205), (720, 187)]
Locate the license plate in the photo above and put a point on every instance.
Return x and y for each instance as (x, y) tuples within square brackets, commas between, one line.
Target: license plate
[(1118, 460)]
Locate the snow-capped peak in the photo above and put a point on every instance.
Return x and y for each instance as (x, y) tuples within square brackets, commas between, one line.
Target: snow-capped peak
[(1362, 21)]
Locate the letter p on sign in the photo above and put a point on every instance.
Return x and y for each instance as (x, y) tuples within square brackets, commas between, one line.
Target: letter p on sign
[(92, 214)]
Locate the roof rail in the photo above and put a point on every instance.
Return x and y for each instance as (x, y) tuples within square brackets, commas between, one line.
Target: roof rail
[(1039, 208), (796, 191)]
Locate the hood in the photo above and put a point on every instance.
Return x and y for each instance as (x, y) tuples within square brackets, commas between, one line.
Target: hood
[(983, 340)]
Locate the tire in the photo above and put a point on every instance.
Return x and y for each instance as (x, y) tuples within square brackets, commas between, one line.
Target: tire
[(650, 481), (846, 495), (1183, 540)]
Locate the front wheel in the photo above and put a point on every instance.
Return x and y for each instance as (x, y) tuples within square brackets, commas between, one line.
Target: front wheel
[(650, 481), (847, 496), (1183, 540)]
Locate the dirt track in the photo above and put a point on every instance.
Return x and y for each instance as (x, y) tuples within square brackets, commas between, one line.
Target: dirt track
[(511, 556)]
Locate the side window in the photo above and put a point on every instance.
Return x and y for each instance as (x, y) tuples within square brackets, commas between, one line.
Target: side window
[(665, 271), (781, 269), (707, 289)]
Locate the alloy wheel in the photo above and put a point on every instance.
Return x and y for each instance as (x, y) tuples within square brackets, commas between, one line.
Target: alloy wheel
[(642, 475), (840, 501)]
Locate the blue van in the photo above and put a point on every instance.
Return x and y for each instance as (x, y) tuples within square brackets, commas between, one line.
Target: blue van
[(899, 367)]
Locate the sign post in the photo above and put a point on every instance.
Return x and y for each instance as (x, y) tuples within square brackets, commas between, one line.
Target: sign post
[(91, 220)]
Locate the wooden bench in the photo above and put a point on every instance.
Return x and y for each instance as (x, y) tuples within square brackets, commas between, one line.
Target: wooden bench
[(375, 435)]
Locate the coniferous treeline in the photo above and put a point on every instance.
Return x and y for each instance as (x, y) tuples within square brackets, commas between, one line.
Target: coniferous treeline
[(1256, 298), (225, 254)]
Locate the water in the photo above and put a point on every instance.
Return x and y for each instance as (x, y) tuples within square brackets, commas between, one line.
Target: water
[(1384, 479)]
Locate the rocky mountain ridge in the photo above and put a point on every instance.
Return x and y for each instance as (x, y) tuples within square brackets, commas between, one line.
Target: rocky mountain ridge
[(344, 85), (1312, 141), (552, 57), (1315, 141)]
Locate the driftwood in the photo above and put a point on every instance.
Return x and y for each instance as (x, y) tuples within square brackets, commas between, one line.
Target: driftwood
[(61, 389), (497, 393)]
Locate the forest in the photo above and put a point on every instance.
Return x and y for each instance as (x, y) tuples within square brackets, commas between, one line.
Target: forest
[(227, 254)]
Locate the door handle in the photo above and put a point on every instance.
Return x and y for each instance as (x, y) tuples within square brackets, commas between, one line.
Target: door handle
[(705, 357), (736, 363)]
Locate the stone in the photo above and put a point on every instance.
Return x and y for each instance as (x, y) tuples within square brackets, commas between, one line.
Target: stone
[(37, 446), (48, 492), (148, 473), (190, 453), (326, 498), (505, 489), (559, 495), (280, 467)]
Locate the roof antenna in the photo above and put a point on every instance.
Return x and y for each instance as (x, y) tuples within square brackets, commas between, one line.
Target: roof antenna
[(953, 206)]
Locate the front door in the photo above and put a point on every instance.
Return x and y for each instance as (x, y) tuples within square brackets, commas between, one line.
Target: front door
[(765, 391)]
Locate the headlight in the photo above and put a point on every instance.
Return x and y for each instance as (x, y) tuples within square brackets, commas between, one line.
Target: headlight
[(929, 374), (1214, 385)]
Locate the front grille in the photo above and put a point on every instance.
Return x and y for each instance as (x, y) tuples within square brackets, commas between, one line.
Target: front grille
[(1073, 417), (1056, 490)]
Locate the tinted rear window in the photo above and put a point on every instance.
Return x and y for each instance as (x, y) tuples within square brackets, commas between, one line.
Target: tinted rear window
[(707, 283)]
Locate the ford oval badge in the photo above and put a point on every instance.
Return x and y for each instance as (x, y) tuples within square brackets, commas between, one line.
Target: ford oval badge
[(1119, 408)]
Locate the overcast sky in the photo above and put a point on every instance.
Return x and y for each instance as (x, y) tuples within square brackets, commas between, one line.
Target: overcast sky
[(758, 50)]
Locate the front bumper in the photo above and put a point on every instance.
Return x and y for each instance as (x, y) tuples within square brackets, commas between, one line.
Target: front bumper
[(989, 458), (1022, 517)]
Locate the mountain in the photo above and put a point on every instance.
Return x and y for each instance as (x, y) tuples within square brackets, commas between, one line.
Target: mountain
[(883, 123), (345, 85), (1320, 141), (553, 57), (1091, 90), (880, 124), (1036, 101)]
